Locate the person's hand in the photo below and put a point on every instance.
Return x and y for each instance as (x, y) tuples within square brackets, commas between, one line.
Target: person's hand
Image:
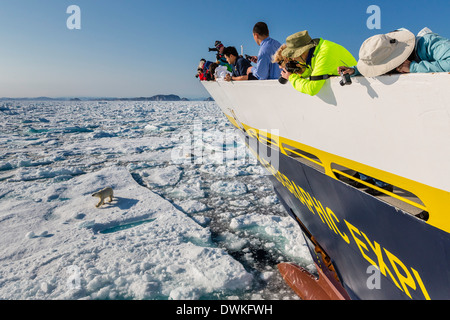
[(404, 67), (346, 70), (285, 74), (227, 77)]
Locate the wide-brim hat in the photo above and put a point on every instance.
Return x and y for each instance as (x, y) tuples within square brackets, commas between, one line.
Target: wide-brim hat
[(384, 52), (298, 43)]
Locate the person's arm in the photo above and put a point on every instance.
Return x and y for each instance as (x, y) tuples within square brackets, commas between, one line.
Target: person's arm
[(353, 71), (242, 66), (228, 77), (430, 66), (240, 78), (262, 69), (305, 85), (301, 84), (357, 73), (434, 51)]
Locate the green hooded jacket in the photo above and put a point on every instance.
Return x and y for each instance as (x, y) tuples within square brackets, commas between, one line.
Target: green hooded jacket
[(327, 57)]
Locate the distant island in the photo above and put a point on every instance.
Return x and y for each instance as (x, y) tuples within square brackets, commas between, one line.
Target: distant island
[(159, 97)]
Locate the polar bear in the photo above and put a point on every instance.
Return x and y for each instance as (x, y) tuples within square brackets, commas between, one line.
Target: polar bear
[(103, 194)]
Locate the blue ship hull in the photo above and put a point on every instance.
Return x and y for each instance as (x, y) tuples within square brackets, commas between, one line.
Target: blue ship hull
[(392, 128), (377, 251)]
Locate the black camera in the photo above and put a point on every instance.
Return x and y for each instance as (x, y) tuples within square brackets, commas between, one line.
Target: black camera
[(292, 67), (212, 49), (345, 79)]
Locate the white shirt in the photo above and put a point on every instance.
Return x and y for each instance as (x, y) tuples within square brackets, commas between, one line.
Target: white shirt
[(221, 72)]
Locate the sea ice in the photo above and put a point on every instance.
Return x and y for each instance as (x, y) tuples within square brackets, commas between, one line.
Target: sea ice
[(35, 262), (231, 188), (161, 177), (181, 226), (277, 230)]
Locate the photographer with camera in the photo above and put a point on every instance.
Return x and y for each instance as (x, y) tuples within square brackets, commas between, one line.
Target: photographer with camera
[(218, 47), (320, 58), (220, 58), (202, 70), (402, 52)]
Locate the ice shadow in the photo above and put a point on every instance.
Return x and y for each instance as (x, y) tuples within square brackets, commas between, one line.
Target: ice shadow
[(125, 203), (121, 203), (48, 235)]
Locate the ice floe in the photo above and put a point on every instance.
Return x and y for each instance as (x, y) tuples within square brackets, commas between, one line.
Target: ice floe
[(187, 221)]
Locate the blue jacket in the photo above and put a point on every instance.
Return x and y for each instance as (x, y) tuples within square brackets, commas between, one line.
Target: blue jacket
[(265, 69), (434, 54)]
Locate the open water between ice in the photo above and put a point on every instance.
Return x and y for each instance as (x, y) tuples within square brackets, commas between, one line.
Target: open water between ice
[(188, 220)]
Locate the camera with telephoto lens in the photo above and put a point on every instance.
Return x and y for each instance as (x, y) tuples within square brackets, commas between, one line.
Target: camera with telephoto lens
[(213, 49), (345, 79), (292, 67), (282, 80), (199, 70)]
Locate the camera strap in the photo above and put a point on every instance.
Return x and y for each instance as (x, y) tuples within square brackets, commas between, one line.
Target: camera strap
[(322, 77)]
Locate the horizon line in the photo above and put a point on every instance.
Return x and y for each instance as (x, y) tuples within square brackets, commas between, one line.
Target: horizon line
[(104, 97)]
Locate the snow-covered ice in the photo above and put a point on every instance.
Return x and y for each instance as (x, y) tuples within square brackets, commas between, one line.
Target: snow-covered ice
[(184, 223)]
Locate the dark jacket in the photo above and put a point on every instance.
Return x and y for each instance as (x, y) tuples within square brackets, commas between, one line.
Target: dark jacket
[(240, 67)]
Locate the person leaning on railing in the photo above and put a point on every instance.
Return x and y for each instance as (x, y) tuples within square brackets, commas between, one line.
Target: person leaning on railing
[(320, 58), (401, 51), (240, 65)]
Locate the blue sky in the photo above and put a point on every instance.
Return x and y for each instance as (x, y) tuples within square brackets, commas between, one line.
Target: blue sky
[(144, 47)]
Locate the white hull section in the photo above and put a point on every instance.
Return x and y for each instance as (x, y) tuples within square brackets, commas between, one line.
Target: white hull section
[(399, 124)]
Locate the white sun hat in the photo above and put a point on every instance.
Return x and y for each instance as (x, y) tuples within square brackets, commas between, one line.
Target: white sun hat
[(384, 52)]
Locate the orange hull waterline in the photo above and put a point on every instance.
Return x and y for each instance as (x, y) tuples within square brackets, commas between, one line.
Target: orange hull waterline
[(307, 286)]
